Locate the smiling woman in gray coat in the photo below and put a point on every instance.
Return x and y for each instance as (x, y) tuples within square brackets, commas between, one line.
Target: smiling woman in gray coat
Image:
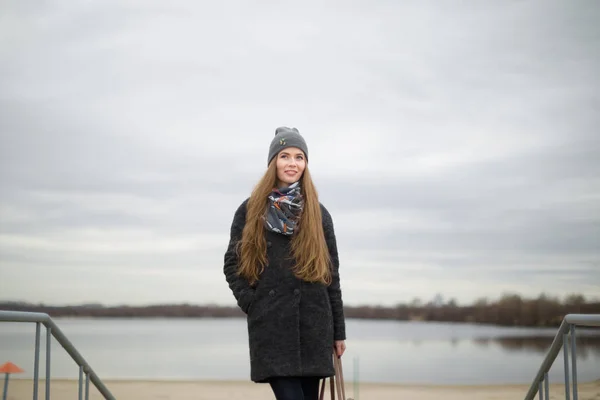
[(283, 270)]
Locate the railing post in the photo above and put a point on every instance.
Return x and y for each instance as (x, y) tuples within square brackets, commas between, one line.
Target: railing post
[(36, 360), (574, 360), (547, 384), (566, 358), (48, 340), (81, 382), (87, 386)]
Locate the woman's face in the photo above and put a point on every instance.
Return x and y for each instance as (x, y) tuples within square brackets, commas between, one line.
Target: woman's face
[(290, 166)]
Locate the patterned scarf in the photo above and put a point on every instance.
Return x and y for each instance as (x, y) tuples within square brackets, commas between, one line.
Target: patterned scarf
[(284, 209)]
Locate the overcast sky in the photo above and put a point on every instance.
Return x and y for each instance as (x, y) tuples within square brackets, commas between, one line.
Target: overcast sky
[(457, 146)]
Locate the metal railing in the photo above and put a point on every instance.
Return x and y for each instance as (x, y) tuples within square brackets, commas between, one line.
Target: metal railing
[(53, 330), (566, 335)]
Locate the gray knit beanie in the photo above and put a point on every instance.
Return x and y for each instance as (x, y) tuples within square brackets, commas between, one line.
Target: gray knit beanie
[(286, 137)]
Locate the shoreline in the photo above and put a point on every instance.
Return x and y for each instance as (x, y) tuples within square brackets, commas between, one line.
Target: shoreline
[(237, 390), (348, 381), (168, 389)]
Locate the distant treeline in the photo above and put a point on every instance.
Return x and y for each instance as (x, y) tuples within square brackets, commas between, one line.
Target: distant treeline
[(509, 310)]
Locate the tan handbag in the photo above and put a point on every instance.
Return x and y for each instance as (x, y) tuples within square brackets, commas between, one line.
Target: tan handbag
[(336, 383)]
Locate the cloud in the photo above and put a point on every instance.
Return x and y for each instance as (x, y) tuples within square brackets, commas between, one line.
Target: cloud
[(455, 147)]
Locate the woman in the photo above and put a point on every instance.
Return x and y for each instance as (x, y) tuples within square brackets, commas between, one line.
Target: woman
[(282, 267)]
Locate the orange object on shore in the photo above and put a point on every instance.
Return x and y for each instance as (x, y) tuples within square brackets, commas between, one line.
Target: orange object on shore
[(10, 368), (7, 369)]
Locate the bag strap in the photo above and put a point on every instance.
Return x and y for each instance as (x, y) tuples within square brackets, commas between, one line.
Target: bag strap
[(339, 372), (331, 386), (336, 382), (322, 390)]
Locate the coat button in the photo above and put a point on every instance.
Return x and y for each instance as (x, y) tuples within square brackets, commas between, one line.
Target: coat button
[(296, 291), (268, 244), (271, 292)]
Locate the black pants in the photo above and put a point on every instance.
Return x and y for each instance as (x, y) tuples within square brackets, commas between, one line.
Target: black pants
[(292, 388)]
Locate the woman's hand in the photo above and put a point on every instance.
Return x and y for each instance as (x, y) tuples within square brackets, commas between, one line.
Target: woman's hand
[(340, 347)]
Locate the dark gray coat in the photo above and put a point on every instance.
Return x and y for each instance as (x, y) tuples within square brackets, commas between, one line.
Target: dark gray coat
[(292, 324)]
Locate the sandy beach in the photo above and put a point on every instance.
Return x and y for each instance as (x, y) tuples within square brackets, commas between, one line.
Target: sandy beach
[(21, 389)]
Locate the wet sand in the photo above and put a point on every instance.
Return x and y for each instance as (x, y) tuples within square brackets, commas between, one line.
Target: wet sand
[(22, 389)]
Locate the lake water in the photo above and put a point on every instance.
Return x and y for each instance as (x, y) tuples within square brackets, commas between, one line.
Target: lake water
[(382, 351)]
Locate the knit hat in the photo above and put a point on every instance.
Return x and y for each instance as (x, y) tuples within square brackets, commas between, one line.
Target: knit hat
[(286, 137)]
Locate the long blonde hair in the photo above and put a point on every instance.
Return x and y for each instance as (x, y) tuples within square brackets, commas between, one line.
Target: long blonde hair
[(309, 248)]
